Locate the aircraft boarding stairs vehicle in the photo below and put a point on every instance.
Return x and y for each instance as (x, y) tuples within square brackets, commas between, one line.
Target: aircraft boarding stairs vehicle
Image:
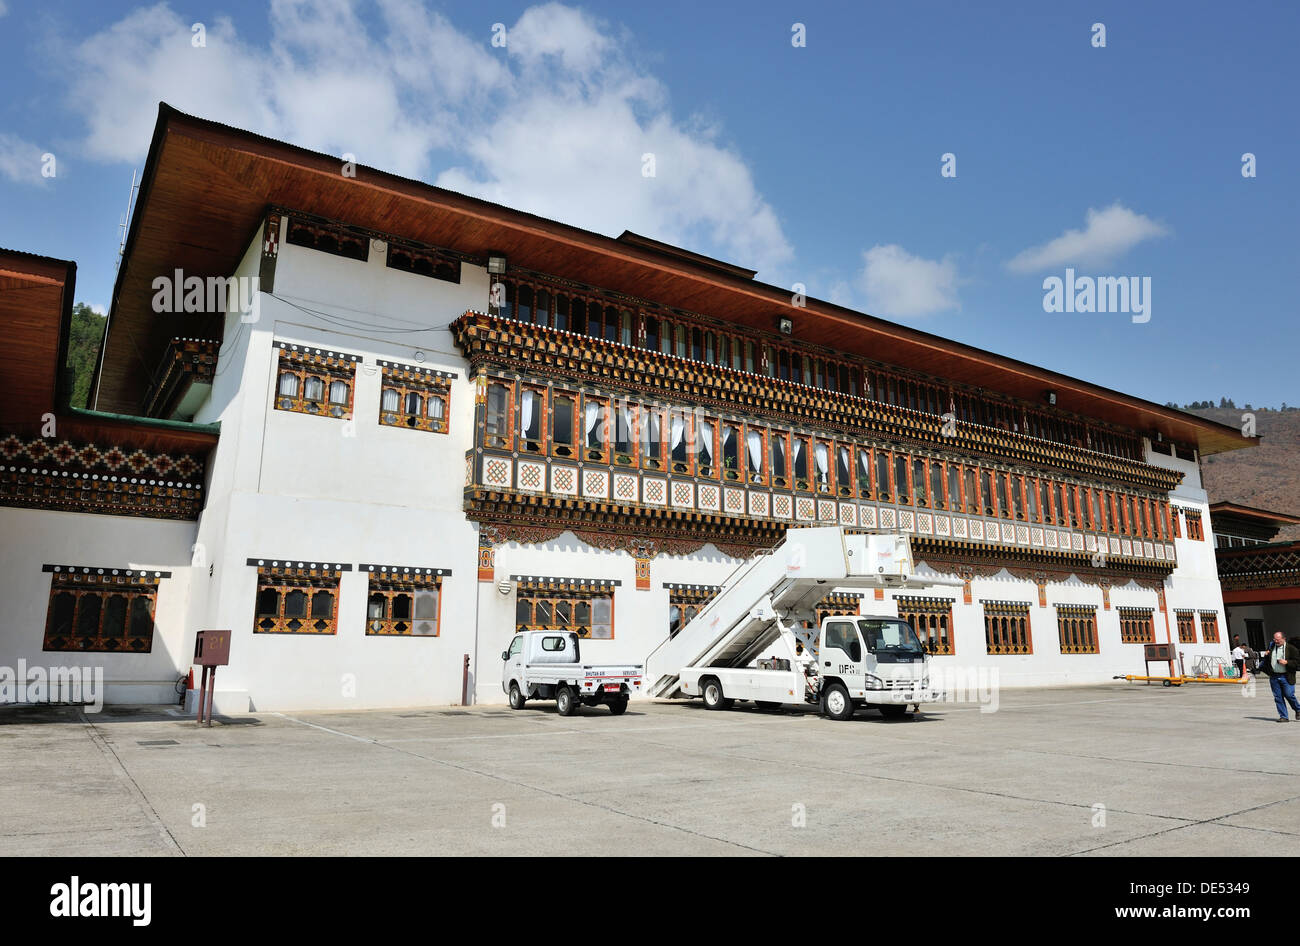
[(843, 665)]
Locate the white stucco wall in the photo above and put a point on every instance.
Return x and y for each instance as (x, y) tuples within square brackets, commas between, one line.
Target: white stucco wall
[(36, 537)]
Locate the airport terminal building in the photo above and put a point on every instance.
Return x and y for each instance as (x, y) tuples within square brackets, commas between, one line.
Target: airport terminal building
[(374, 427)]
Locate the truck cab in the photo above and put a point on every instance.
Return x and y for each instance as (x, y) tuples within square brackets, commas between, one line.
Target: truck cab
[(870, 661)]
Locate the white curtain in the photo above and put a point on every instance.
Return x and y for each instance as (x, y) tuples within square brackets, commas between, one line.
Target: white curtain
[(414, 404), (389, 400), (289, 384), (338, 392), (678, 431), (706, 441), (314, 389), (822, 457), (798, 451), (754, 440), (865, 459), (593, 419), (526, 412), (435, 408)]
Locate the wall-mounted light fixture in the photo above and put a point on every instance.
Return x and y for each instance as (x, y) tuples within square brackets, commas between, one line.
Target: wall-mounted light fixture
[(1050, 397), (786, 326)]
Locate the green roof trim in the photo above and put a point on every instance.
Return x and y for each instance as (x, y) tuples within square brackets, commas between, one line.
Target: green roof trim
[(144, 421)]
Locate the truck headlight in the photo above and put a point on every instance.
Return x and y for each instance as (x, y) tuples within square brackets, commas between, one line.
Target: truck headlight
[(875, 683)]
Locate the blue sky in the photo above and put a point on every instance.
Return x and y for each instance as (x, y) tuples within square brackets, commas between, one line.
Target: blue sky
[(817, 164)]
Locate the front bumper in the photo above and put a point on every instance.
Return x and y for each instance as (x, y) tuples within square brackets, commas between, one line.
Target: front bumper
[(919, 695)]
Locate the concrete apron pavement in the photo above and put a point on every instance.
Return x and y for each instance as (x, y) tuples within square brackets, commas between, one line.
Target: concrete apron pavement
[(1105, 770)]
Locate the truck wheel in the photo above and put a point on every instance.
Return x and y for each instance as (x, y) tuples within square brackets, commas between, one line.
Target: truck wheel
[(565, 701), (517, 699), (836, 703), (893, 710), (767, 705), (618, 707), (713, 697)]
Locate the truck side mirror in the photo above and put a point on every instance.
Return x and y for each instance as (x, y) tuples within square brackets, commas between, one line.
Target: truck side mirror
[(505, 655)]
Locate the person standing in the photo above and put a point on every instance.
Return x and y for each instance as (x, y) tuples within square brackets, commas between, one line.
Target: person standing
[(1239, 658), (1280, 663)]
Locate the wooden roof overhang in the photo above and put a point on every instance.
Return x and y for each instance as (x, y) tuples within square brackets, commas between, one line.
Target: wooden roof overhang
[(207, 187), (36, 298)]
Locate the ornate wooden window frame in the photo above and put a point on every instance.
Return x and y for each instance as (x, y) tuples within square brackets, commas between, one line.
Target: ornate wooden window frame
[(1076, 626), (564, 451), (333, 238), (391, 582), (289, 577), (931, 619), (307, 363), (430, 385), (1209, 627), (1007, 628), (525, 445), (689, 600), (82, 594), (1137, 625), (1186, 620), (570, 591)]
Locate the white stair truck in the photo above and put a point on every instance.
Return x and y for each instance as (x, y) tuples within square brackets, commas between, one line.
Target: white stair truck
[(547, 665), (845, 664)]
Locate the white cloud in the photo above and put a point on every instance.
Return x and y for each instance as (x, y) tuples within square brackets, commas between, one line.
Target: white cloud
[(99, 308), (556, 123), (20, 161), (897, 284), (1107, 234), (3, 9)]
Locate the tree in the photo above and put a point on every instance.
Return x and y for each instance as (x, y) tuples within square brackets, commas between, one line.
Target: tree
[(83, 350)]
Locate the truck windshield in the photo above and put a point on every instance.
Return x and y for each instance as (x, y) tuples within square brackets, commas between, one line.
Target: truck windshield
[(889, 637)]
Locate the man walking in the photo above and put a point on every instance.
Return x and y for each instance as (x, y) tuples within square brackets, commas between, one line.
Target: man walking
[(1280, 663)]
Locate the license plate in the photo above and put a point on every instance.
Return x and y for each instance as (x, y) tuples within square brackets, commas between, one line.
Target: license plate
[(611, 687)]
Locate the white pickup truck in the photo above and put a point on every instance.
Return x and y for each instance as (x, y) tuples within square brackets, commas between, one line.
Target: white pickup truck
[(547, 665)]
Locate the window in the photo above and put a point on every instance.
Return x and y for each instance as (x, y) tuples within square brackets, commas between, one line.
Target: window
[(706, 448), (780, 459), (413, 397), (822, 466), (838, 604), (1194, 530), (300, 600), (800, 462), (424, 262), (563, 412), (1210, 627), (755, 454), (314, 381), (920, 484), (882, 475), (587, 614), (732, 469), (1175, 523), (679, 438), (496, 423), (1186, 626), (595, 427), (104, 610), (931, 619), (532, 408), (1006, 627), (900, 479), (843, 636), (624, 434), (1135, 626), (864, 472), (1077, 626), (652, 438), (686, 601), (328, 238), (843, 469), (403, 602)]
